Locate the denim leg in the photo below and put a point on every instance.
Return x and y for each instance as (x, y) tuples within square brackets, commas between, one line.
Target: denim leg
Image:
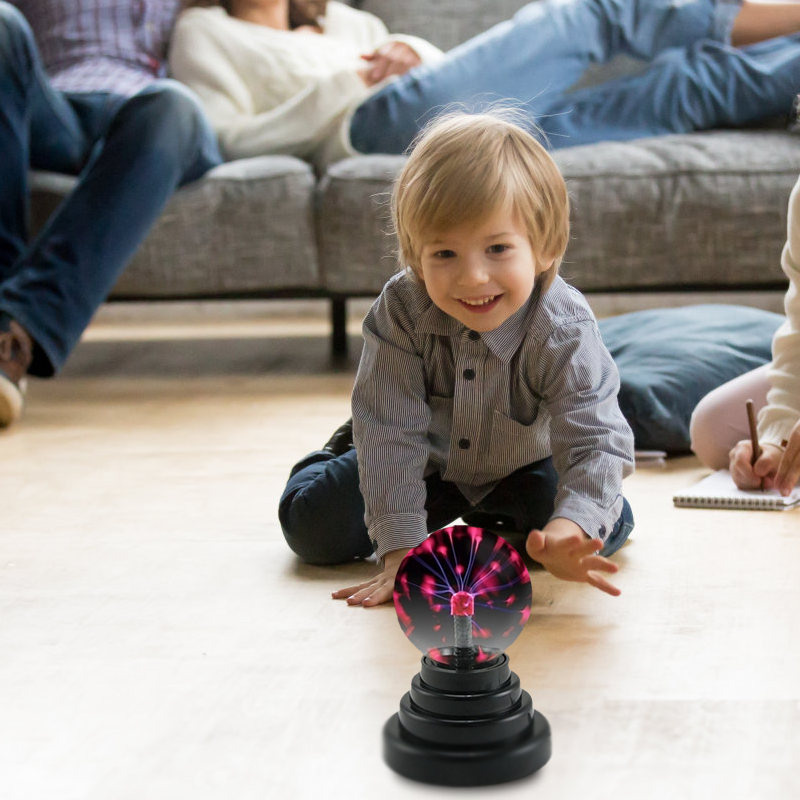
[(444, 502), (706, 86), (321, 510), (155, 141), (621, 531), (532, 59), (30, 111), (526, 499), (520, 502)]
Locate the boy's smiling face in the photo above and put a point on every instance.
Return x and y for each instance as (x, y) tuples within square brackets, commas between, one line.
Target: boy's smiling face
[(482, 273)]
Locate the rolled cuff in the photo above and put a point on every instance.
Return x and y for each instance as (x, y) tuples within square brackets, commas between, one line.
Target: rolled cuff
[(396, 532), (596, 521), (776, 431)]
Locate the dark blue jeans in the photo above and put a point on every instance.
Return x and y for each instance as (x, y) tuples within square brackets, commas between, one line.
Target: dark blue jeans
[(694, 78), (130, 155), (322, 510)]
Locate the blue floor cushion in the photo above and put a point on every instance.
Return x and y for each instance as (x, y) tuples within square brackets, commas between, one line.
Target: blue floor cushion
[(669, 359)]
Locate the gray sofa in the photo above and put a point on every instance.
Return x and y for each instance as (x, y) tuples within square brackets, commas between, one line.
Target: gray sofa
[(703, 211)]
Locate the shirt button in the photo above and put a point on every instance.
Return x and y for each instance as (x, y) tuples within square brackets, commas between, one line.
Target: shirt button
[(463, 444), (474, 335), (469, 374), (602, 531)]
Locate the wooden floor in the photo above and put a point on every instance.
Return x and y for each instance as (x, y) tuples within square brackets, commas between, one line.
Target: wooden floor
[(159, 641)]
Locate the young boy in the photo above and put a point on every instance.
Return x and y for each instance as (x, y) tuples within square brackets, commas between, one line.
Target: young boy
[(484, 389)]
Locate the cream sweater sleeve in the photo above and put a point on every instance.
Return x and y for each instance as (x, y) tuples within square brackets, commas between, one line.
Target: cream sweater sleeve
[(200, 56), (783, 399), (216, 57)]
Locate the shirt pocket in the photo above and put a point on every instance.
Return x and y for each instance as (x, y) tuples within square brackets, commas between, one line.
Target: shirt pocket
[(441, 423), (514, 444), (526, 404)]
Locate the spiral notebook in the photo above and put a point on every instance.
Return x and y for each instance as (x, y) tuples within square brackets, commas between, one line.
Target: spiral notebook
[(719, 491)]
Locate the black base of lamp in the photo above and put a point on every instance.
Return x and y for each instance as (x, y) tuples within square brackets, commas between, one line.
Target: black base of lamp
[(466, 727)]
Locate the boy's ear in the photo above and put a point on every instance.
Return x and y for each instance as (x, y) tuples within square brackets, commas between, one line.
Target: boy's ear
[(543, 264)]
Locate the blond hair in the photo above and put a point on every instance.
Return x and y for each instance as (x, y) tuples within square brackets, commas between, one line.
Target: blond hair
[(465, 166)]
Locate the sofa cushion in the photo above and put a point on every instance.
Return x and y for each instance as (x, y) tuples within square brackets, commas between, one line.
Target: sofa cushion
[(356, 245), (696, 211), (247, 227), (669, 359), (443, 24), (700, 211)]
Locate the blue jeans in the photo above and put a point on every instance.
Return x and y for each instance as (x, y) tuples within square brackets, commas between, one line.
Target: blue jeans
[(130, 155), (322, 510), (694, 80)]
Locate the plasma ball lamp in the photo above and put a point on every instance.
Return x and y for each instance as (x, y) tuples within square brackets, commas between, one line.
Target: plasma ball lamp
[(462, 597)]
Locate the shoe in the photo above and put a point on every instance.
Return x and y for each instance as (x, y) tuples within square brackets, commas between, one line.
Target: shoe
[(16, 351), (342, 439)]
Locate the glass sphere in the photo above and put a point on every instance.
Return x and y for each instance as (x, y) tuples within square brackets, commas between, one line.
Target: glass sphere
[(462, 596)]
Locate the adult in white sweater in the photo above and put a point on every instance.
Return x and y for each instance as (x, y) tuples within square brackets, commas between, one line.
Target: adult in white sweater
[(719, 426), (272, 86)]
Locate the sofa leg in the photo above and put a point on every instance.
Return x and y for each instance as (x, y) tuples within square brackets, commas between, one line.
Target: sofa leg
[(339, 326)]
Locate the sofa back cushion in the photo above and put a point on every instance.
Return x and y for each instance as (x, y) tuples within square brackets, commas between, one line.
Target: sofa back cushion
[(445, 23)]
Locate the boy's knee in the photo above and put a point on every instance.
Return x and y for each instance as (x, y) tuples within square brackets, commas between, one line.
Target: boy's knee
[(303, 524), (315, 532), (17, 44), (322, 514)]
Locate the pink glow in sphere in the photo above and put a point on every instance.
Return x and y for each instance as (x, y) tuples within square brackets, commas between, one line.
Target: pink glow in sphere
[(467, 579), (462, 604)]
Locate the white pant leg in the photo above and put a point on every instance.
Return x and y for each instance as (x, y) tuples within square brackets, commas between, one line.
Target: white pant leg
[(720, 419)]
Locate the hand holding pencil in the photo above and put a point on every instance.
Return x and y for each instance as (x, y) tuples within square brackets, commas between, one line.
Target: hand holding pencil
[(754, 445), (768, 466)]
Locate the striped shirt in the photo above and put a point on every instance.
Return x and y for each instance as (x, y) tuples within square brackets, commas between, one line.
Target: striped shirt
[(117, 46), (433, 396)]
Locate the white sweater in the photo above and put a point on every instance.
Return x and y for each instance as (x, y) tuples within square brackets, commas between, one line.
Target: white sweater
[(268, 91), (782, 411)]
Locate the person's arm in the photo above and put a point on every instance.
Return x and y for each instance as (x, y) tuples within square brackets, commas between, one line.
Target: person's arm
[(200, 58), (391, 417), (397, 56), (592, 447), (369, 33), (384, 54), (297, 127), (779, 420)]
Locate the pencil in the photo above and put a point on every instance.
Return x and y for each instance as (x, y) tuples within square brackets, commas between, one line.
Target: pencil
[(751, 421)]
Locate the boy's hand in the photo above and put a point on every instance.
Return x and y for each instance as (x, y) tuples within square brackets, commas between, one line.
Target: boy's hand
[(376, 590), (564, 551), (746, 476)]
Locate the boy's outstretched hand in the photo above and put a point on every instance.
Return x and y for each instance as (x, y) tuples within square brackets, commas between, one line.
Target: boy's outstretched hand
[(564, 551), (376, 590)]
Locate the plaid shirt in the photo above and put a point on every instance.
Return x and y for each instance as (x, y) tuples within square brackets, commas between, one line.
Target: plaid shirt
[(117, 46)]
